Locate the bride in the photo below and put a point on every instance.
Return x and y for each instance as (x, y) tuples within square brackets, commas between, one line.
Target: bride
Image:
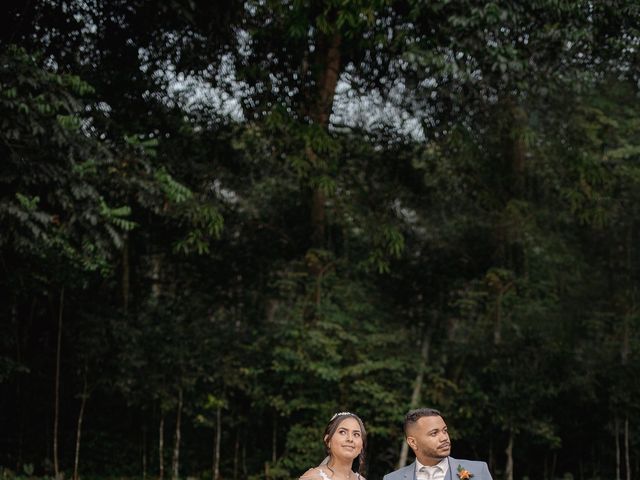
[(345, 441)]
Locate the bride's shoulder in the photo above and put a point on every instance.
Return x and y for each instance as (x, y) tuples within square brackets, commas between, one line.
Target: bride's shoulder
[(312, 474)]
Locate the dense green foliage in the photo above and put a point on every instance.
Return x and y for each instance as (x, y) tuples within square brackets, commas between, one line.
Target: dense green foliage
[(224, 221)]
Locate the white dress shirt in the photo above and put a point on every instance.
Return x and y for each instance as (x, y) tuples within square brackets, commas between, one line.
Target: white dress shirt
[(437, 472)]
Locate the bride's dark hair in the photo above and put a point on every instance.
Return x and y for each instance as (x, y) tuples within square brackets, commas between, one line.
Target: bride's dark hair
[(332, 427)]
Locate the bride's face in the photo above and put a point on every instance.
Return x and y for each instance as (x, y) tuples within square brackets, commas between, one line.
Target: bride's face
[(346, 442)]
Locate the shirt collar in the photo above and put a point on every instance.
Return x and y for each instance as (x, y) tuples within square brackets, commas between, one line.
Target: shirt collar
[(442, 465)]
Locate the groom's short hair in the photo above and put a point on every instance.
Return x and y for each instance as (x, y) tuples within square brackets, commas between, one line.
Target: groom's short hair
[(413, 416)]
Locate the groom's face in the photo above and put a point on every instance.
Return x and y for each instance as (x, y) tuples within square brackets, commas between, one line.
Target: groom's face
[(429, 439)]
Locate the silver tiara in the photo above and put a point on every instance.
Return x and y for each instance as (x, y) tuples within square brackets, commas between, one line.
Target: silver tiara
[(339, 414)]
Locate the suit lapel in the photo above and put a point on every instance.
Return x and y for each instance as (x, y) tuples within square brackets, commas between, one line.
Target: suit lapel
[(411, 472), (451, 462)]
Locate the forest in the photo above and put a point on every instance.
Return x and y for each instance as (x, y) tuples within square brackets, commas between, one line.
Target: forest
[(224, 221)]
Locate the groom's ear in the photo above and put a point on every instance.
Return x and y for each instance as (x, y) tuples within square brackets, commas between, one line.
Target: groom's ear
[(411, 441)]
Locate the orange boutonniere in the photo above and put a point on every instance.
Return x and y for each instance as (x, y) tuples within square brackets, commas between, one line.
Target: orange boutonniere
[(463, 473)]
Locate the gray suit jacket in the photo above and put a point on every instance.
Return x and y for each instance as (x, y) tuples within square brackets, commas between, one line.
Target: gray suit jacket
[(479, 470)]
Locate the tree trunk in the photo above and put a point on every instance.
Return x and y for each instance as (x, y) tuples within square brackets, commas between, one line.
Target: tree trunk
[(156, 276), (627, 459), (497, 325), (514, 152), (417, 390), (274, 440), (244, 457), (502, 289), (331, 59), (56, 464), (318, 218), (175, 464), (516, 253), (236, 454), (161, 448), (327, 80), (625, 347), (83, 402), (508, 470), (518, 149), (216, 445), (617, 434)]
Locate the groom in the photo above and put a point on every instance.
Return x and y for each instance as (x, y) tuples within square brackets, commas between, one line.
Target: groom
[(427, 435)]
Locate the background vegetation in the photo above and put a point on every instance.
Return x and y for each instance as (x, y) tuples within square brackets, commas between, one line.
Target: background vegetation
[(224, 221)]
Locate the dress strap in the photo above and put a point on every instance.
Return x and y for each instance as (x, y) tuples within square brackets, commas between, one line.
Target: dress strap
[(323, 475)]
